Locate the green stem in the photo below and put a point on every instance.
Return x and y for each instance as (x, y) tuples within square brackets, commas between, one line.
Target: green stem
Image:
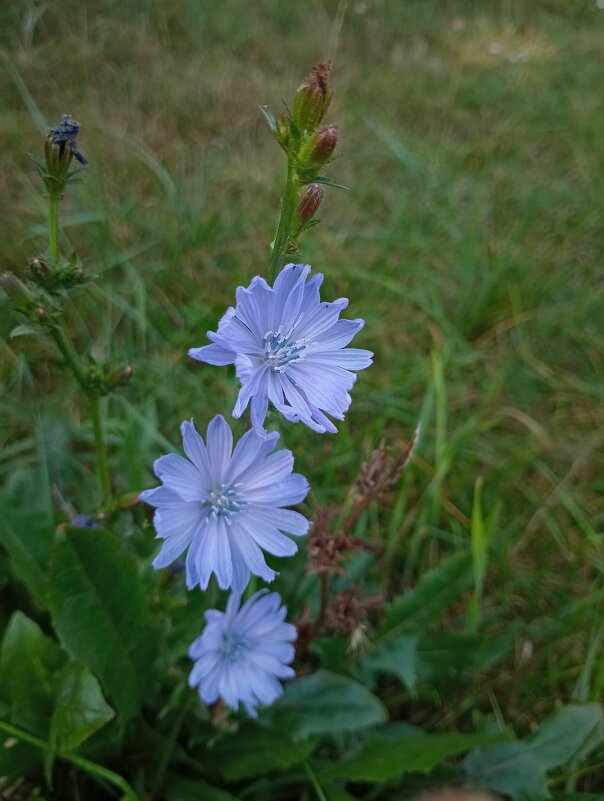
[(101, 451), (53, 227), (314, 781), (73, 362), (70, 357), (286, 223), (85, 764)]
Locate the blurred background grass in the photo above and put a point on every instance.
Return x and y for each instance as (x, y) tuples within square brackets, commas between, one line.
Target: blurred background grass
[(471, 242)]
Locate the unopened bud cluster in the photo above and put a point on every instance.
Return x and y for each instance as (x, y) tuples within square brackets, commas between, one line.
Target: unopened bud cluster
[(308, 143)]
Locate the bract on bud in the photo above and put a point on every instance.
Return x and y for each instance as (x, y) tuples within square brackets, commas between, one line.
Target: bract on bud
[(319, 148), (309, 202), (313, 98), (16, 290)]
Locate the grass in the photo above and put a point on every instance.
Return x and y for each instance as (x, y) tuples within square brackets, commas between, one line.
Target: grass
[(471, 242)]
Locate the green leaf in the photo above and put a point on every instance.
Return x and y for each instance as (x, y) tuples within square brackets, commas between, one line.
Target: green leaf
[(269, 117), (101, 614), (396, 656), (27, 536), (180, 788), (382, 759), (519, 769), (433, 594), (445, 655), (236, 755), (80, 708), (23, 330), (326, 703), (321, 179), (28, 661)]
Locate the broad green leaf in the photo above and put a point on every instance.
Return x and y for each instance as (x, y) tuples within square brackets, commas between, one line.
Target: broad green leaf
[(326, 703), (100, 611), (27, 536), (432, 595), (382, 758), (444, 655), (236, 755), (28, 662), (80, 708), (180, 788), (519, 769), (396, 656)]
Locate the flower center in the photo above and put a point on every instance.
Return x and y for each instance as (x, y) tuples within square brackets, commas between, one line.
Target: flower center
[(234, 646), (223, 502), (280, 350)]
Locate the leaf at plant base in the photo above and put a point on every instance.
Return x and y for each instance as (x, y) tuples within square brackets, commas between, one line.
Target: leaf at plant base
[(382, 758), (432, 595), (28, 537), (100, 611), (326, 703), (181, 788), (80, 708), (447, 654), (396, 656), (17, 759), (236, 755), (28, 662), (519, 769)]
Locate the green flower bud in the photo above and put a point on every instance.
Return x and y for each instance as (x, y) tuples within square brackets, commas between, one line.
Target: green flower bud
[(313, 98), (309, 202), (16, 290), (319, 148), (119, 376), (41, 273)]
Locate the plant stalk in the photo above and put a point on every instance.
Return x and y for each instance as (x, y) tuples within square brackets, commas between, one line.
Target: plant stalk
[(53, 227), (101, 450), (85, 764), (285, 226)]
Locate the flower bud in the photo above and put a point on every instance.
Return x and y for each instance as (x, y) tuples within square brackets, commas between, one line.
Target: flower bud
[(40, 272), (313, 98), (119, 376), (319, 148), (16, 289), (41, 315), (309, 202)]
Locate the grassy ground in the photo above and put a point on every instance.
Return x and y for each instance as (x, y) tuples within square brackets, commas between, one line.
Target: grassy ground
[(471, 242)]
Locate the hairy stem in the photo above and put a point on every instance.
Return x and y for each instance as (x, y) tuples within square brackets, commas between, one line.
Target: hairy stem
[(287, 221), (85, 764), (101, 450)]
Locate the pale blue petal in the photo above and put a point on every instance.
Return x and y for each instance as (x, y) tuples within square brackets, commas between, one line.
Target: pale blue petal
[(216, 353), (220, 446), (286, 492), (196, 451), (180, 476)]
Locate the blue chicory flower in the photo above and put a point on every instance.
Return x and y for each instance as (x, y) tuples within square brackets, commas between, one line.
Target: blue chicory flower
[(66, 133), (226, 505), (242, 653), (289, 348)]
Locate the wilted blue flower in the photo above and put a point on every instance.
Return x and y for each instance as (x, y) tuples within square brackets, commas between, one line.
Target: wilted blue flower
[(66, 133), (289, 348), (225, 505), (243, 653)]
